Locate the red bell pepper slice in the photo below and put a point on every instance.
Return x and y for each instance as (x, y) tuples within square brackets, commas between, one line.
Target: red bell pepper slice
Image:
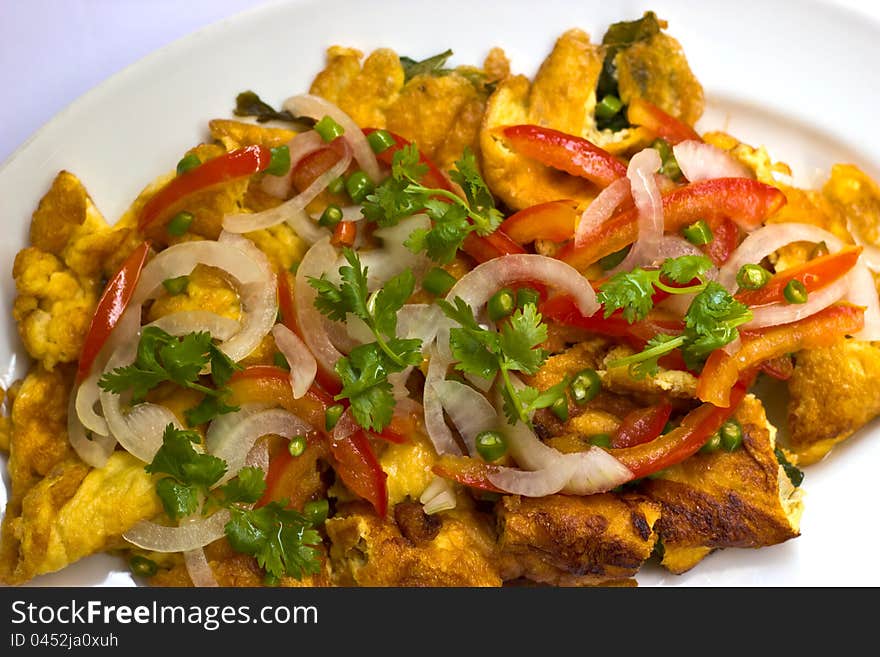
[(344, 234), (820, 330), (309, 168), (574, 155), (286, 472), (683, 441), (724, 242), (229, 166), (494, 245), (553, 221), (466, 471), (814, 274), (641, 426), (562, 309), (642, 113), (747, 202), (112, 304)]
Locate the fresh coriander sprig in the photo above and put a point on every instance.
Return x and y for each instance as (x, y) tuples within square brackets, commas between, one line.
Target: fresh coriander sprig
[(282, 540), (513, 348), (365, 370), (632, 291), (161, 357), (403, 195), (710, 323)]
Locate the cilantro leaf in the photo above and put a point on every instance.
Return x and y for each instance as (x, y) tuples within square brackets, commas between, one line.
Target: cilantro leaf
[(482, 205), (191, 472), (710, 323), (365, 371), (222, 366), (685, 268), (246, 488), (390, 299), (519, 337), (207, 409), (630, 292), (453, 218), (282, 540), (178, 500), (162, 358), (515, 348)]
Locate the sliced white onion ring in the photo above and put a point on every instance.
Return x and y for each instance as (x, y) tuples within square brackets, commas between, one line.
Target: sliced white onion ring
[(863, 292), (770, 239), (85, 396), (189, 321), (649, 204), (303, 366), (93, 451), (393, 257), (289, 210), (532, 483), (181, 259), (600, 210), (310, 321), (199, 569), (435, 424), (478, 285), (302, 145), (190, 536), (234, 437), (701, 161), (317, 108), (870, 251), (785, 313), (470, 412)]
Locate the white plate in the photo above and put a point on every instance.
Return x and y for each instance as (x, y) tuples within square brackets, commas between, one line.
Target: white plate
[(796, 76)]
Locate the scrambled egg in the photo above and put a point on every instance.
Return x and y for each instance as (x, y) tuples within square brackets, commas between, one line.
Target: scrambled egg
[(563, 97), (441, 113), (59, 277), (726, 499)]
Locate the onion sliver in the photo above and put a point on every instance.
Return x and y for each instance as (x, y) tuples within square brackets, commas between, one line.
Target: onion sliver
[(701, 161), (870, 251), (785, 313), (600, 210), (258, 299), (317, 108), (470, 412), (770, 239), (435, 424), (181, 259), (863, 293), (649, 204), (250, 221), (532, 483), (189, 321), (306, 227), (479, 284), (93, 451), (595, 471), (303, 144), (234, 438), (198, 568), (303, 366), (85, 396), (314, 263), (190, 536)]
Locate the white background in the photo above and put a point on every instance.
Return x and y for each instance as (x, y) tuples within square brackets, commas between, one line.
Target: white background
[(53, 51)]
